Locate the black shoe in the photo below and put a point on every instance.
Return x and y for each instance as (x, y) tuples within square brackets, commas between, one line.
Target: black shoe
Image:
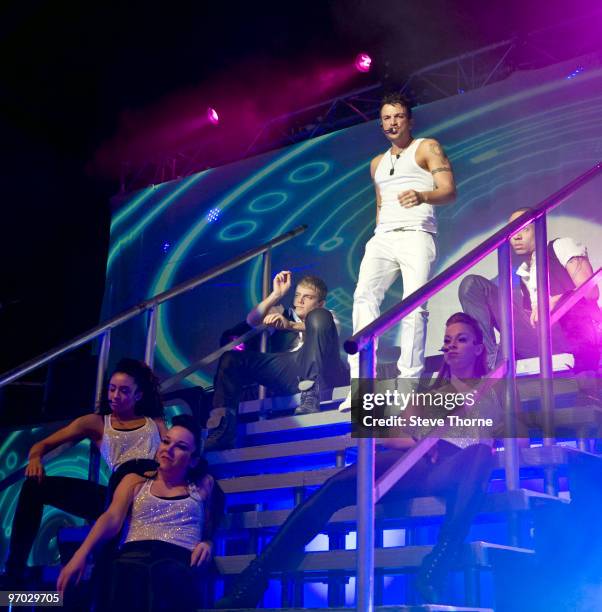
[(433, 571), (223, 436), (310, 397), (248, 589)]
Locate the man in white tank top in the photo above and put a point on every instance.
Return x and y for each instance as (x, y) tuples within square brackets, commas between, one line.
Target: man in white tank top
[(411, 178)]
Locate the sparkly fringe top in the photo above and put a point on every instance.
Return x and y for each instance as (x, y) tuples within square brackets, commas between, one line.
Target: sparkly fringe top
[(176, 521), (119, 446)]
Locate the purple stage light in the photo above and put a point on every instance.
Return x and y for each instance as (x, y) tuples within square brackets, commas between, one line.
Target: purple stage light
[(363, 62), (212, 116), (213, 215)]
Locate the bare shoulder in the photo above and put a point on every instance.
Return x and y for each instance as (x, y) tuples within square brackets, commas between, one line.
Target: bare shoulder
[(431, 145), (374, 164), (91, 425)]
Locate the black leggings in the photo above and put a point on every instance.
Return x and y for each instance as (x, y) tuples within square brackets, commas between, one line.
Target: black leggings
[(79, 497), (461, 476), (153, 576)]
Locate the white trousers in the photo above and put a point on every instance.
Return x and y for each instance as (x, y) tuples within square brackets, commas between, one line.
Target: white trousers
[(388, 254)]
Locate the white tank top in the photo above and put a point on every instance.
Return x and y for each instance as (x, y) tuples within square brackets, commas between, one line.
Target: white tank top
[(176, 521), (407, 174), (119, 446)]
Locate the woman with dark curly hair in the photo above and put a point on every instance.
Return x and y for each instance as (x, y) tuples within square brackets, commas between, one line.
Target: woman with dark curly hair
[(127, 432)]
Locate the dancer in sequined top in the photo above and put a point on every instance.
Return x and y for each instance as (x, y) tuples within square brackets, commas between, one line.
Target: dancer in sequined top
[(163, 535)]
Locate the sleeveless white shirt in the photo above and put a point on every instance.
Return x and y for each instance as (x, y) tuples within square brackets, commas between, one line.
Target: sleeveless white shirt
[(407, 174)]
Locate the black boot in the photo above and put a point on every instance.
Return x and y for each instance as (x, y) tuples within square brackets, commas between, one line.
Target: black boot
[(248, 589), (434, 569), (310, 397), (223, 436)]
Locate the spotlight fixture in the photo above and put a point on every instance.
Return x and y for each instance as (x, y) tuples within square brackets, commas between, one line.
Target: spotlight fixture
[(363, 62), (212, 116)]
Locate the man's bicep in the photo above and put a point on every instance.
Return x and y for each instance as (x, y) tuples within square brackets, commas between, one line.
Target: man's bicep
[(579, 269)]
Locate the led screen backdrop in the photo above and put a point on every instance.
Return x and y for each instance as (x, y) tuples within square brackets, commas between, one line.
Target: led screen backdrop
[(511, 144)]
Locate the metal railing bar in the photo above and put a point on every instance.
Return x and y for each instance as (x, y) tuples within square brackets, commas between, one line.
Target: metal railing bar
[(117, 320), (544, 337), (170, 382), (397, 312)]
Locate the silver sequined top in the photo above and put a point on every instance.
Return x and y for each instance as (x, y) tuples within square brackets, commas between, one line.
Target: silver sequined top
[(119, 446), (176, 521)]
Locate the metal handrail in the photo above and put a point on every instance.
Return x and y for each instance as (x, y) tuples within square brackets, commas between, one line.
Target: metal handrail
[(146, 305), (363, 342)]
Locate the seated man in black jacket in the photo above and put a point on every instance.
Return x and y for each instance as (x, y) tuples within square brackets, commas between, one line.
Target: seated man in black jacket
[(305, 355)]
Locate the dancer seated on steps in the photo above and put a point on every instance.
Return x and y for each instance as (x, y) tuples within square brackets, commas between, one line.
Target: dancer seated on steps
[(305, 354), (163, 540), (458, 468), (575, 332), (127, 432)]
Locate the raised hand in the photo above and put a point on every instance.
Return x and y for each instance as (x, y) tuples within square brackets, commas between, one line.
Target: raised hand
[(282, 282)]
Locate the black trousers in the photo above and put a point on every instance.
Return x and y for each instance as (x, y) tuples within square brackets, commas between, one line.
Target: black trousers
[(79, 497), (460, 476), (153, 576), (575, 332), (317, 359)]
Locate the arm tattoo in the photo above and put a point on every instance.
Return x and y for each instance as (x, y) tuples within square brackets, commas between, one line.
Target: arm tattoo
[(437, 150), (442, 169)]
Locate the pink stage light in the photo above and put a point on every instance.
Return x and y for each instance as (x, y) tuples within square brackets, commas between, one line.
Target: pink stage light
[(212, 116), (363, 62)]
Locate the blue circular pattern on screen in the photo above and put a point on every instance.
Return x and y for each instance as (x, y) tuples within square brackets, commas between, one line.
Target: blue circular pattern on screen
[(331, 244), (237, 230), (309, 172), (11, 460), (268, 201)]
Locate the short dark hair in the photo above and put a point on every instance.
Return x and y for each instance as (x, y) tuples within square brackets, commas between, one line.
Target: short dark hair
[(522, 209), (150, 403), (187, 421), (394, 99), (316, 283)]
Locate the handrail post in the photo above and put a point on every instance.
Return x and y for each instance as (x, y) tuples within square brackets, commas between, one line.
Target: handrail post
[(364, 586), (511, 456), (545, 335), (101, 368), (151, 336), (266, 278)]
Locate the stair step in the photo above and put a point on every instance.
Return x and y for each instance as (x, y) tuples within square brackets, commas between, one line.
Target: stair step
[(298, 448), (286, 480), (289, 402), (263, 458), (398, 514), (395, 559)]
